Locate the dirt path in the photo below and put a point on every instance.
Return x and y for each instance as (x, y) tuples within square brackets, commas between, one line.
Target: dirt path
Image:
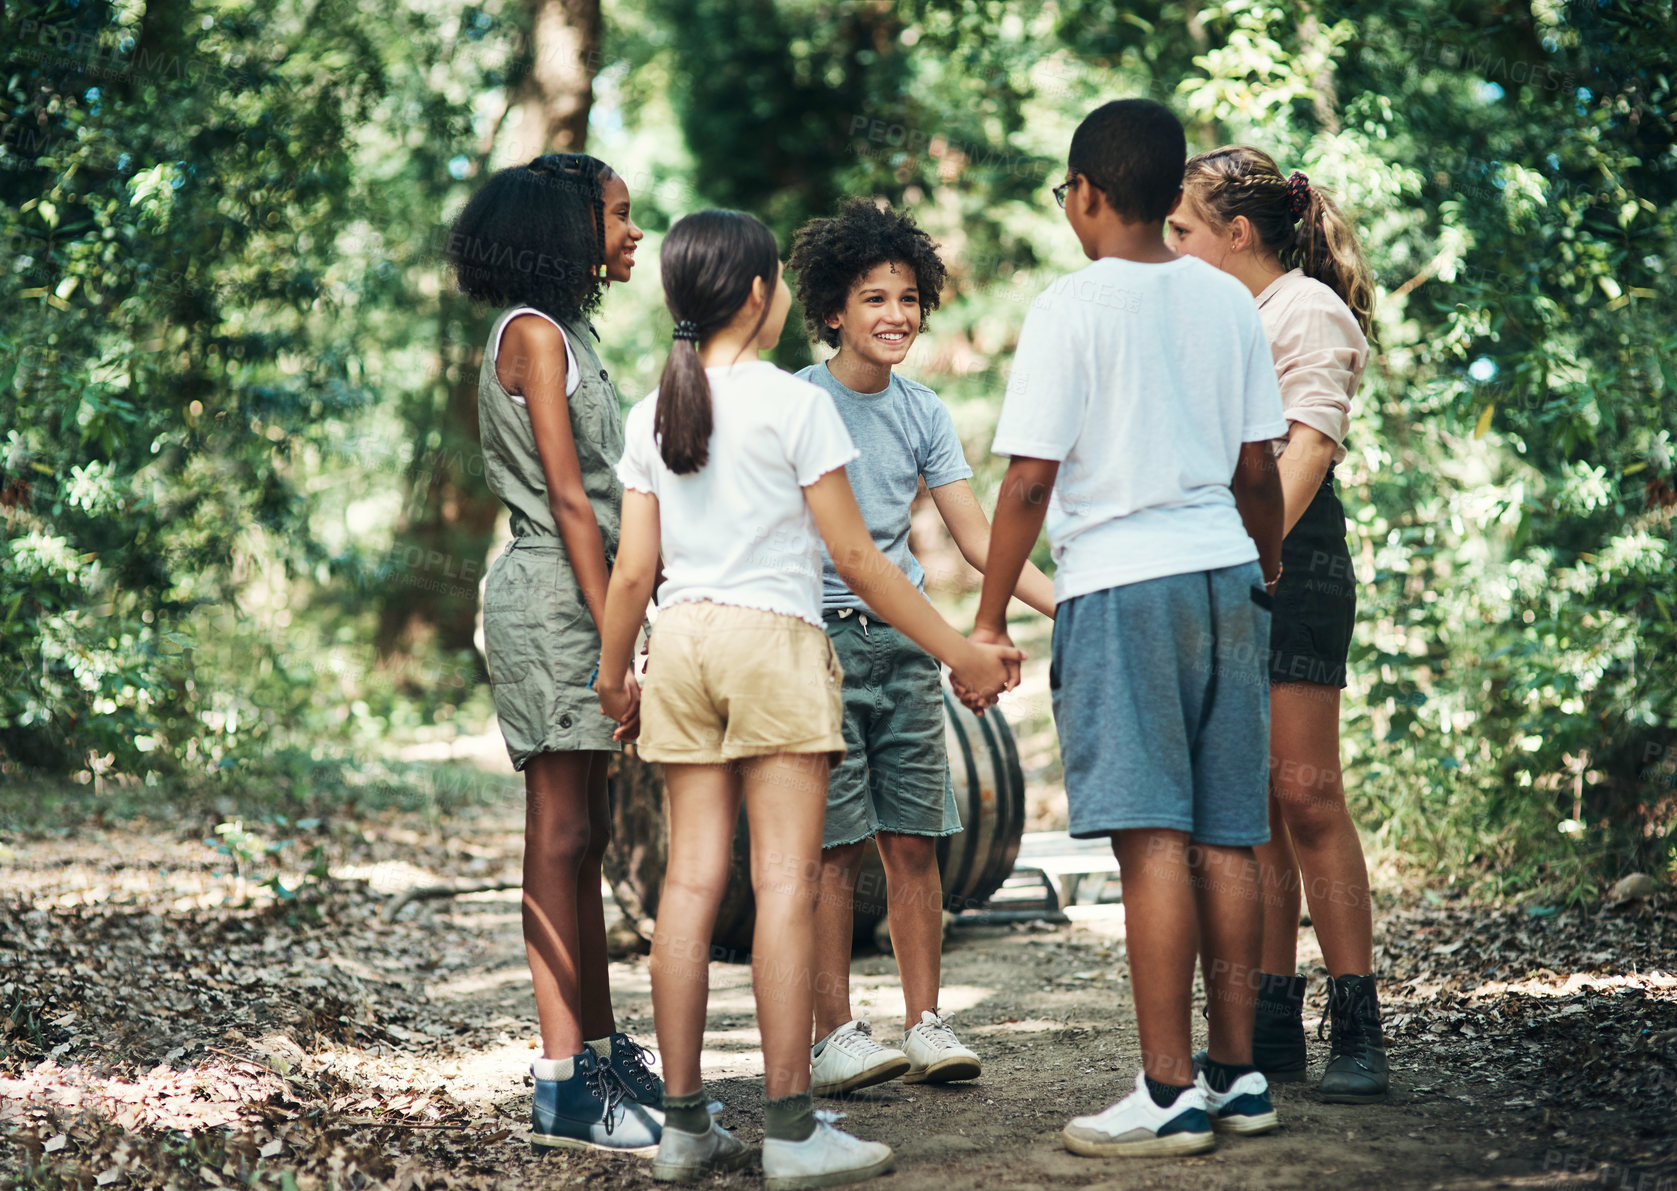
[(153, 1033)]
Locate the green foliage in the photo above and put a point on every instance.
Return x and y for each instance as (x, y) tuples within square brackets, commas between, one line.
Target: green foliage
[(174, 340), (251, 852), (231, 379), (1515, 467), (1511, 477), (220, 216)]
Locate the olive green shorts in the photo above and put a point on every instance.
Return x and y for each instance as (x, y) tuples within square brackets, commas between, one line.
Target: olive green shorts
[(542, 646), (895, 773)]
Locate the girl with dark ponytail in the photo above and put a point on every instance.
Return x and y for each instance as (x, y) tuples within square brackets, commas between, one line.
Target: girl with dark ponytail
[(1287, 240), (710, 272), (541, 242), (735, 472)]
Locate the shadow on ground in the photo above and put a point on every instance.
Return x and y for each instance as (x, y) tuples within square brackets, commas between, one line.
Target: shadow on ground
[(168, 1021)]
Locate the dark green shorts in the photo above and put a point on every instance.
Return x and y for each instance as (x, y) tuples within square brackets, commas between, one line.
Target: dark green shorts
[(895, 776)]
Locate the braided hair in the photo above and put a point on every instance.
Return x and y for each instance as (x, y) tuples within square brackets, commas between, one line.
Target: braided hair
[(535, 235), (1294, 221)]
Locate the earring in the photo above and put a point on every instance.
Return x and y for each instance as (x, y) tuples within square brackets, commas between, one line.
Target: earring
[(602, 271)]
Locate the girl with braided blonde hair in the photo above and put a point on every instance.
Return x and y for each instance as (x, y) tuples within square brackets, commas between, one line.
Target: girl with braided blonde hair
[(1294, 249)]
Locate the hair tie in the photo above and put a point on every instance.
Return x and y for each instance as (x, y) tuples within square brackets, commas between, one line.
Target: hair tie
[(687, 329), (1298, 194)]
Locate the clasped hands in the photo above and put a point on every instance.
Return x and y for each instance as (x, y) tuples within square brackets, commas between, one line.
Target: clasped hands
[(994, 667), (621, 701)]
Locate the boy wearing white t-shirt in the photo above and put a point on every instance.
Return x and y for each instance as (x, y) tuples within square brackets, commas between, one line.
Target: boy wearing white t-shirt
[(1165, 521)]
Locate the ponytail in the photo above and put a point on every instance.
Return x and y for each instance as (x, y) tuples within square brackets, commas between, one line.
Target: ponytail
[(1296, 222), (681, 423), (709, 260), (1326, 248)]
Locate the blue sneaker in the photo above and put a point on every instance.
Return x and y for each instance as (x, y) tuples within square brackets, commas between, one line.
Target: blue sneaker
[(1244, 1108), (633, 1064), (1136, 1127), (591, 1110)]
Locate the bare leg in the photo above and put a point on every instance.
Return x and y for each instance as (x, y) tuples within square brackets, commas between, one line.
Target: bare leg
[(914, 900), (1161, 932), (704, 802), (835, 921), (1279, 871), (598, 1021), (1306, 776), (1229, 916), (564, 926), (785, 803)]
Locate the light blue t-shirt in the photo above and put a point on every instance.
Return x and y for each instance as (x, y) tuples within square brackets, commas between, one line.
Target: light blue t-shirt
[(903, 433)]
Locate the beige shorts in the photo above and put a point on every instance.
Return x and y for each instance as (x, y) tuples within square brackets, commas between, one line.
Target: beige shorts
[(724, 682)]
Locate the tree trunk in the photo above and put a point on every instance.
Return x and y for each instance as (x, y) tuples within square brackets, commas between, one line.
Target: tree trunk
[(555, 96), (431, 584), (1323, 90)]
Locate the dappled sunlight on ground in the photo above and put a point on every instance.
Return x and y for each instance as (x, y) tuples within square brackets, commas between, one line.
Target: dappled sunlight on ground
[(151, 994)]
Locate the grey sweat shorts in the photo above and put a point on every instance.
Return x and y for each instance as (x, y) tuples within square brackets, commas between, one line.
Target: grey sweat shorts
[(541, 646), (895, 772), (1161, 699)]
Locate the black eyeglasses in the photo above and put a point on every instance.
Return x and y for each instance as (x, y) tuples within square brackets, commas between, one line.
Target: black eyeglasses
[(1063, 187)]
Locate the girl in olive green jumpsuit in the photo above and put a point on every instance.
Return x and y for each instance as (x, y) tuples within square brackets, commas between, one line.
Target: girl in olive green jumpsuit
[(541, 241)]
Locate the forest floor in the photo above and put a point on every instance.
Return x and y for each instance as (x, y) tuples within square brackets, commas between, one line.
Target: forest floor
[(167, 1021)]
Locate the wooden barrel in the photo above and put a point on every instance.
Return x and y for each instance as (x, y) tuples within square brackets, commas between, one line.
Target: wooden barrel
[(989, 792)]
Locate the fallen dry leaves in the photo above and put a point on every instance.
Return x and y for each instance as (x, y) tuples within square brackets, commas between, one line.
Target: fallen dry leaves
[(165, 1024)]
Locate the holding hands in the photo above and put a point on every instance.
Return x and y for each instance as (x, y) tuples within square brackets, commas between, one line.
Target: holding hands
[(622, 702), (991, 664)]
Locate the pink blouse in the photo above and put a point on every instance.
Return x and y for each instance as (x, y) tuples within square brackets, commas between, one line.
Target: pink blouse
[(1319, 350)]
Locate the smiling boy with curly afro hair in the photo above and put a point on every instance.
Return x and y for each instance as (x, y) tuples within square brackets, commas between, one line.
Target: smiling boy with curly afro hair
[(868, 277), (829, 256)]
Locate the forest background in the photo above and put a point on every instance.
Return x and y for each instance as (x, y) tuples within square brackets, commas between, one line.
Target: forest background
[(243, 517)]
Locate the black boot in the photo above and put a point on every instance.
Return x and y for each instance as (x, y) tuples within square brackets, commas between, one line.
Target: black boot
[(1278, 1030), (1356, 1072)]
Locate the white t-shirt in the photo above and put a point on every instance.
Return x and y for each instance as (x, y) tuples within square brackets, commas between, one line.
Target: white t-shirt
[(738, 530), (1142, 381)]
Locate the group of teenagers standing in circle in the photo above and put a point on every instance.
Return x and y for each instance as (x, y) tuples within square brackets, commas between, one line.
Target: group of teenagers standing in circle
[(1174, 412)]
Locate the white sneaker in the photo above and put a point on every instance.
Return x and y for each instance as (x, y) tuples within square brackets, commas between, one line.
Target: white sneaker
[(935, 1055), (828, 1157), (1135, 1126), (686, 1157), (849, 1058), (1244, 1108)]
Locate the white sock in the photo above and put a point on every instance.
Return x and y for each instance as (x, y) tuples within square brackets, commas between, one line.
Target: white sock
[(553, 1069)]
